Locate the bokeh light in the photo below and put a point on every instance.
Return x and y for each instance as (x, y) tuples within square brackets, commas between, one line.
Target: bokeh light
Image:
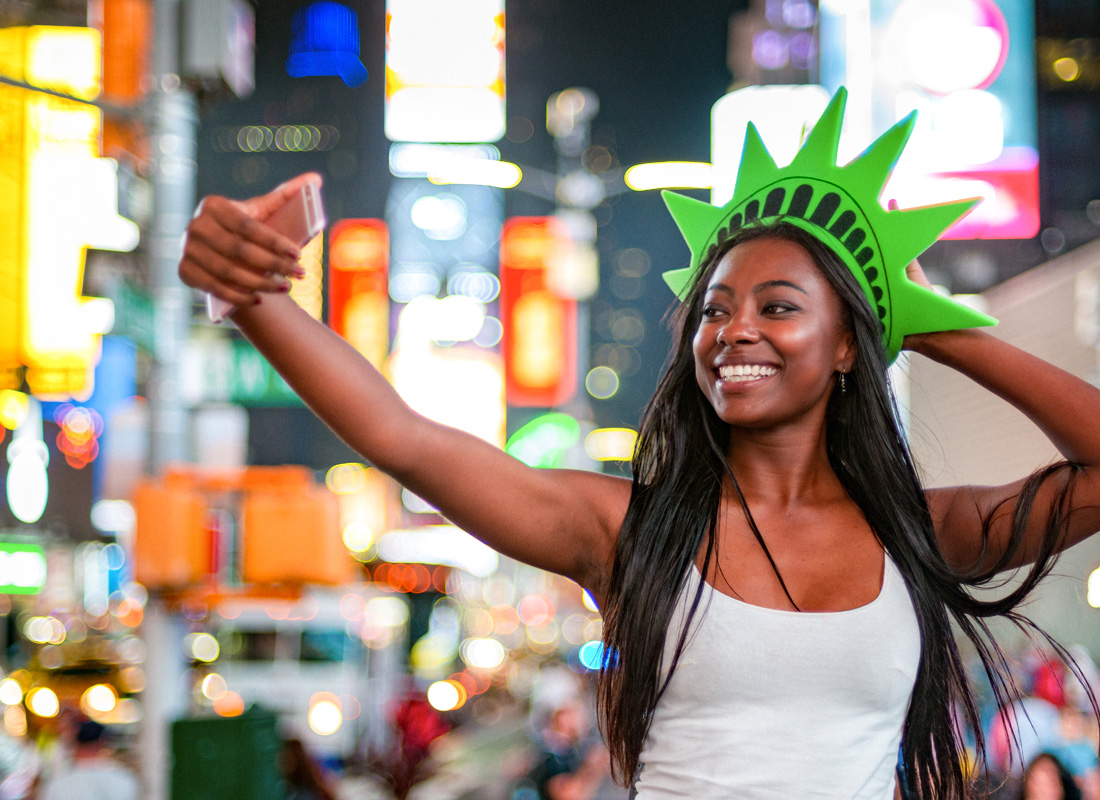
[(602, 382), (11, 693), (229, 704), (591, 654), (446, 695), (43, 702), (483, 653), (202, 647), (214, 686), (98, 699), (325, 715)]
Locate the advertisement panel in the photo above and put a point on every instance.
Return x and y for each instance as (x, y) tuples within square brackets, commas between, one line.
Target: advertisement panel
[(968, 68)]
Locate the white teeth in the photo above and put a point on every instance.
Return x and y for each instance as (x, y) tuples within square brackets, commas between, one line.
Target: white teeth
[(746, 372)]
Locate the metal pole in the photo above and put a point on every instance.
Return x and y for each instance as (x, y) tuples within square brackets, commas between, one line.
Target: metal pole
[(174, 119)]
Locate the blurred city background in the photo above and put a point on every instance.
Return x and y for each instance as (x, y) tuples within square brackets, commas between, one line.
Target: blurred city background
[(203, 589)]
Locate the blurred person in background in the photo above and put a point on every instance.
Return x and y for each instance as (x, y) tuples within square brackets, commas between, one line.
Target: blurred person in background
[(1046, 778), (95, 773), (568, 764), (778, 589), (1077, 752), (305, 780)]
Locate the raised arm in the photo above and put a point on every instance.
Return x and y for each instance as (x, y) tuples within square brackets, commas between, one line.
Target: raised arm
[(1064, 407), (561, 520)]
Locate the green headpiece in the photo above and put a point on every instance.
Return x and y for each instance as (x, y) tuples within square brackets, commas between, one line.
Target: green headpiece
[(839, 206)]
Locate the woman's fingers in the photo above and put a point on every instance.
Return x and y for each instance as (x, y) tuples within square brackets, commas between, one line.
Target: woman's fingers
[(916, 274), (229, 271), (194, 274), (227, 228)]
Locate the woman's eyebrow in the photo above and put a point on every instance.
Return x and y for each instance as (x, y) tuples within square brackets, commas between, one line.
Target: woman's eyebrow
[(772, 284), (721, 287)]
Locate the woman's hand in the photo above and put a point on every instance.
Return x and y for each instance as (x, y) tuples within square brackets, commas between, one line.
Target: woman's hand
[(231, 254), (915, 273)]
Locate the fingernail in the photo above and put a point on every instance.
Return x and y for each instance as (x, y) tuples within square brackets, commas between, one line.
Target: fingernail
[(258, 300), (298, 272), (284, 287)]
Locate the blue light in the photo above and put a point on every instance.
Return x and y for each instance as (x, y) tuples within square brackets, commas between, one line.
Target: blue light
[(324, 40), (591, 654)]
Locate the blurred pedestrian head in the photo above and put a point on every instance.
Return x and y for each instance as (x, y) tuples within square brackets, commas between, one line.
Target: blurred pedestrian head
[(89, 732), (1046, 778)]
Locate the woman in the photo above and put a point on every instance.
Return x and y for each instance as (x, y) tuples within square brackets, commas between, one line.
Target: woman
[(777, 588)]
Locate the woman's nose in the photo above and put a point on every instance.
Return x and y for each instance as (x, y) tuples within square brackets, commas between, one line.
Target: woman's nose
[(740, 329)]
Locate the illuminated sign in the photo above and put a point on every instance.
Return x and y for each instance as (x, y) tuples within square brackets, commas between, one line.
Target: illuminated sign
[(444, 70), (968, 67), (540, 326), (22, 568), (58, 199), (460, 386), (358, 293), (781, 114)]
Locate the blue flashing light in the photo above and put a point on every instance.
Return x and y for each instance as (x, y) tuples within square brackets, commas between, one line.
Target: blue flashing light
[(324, 40)]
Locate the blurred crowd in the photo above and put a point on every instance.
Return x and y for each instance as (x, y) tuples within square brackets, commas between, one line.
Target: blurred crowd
[(1044, 745)]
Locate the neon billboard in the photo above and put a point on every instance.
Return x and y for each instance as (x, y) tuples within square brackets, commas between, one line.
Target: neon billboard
[(968, 67)]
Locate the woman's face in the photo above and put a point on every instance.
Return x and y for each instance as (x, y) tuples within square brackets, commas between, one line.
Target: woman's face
[(771, 336)]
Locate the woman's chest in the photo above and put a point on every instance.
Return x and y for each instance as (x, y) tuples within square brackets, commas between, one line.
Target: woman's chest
[(825, 562)]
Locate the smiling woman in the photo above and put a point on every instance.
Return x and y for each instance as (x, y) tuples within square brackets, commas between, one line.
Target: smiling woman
[(778, 590)]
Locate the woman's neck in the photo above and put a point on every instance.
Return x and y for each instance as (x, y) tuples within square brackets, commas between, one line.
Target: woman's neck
[(783, 467)]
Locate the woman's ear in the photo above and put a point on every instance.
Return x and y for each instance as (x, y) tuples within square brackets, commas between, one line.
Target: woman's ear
[(847, 352)]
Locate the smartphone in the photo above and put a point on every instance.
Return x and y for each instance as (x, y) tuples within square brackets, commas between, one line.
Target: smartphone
[(299, 219)]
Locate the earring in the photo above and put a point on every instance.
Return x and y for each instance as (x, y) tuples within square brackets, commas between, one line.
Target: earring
[(843, 386)]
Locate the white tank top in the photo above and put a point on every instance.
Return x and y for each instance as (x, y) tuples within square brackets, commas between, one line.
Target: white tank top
[(780, 704)]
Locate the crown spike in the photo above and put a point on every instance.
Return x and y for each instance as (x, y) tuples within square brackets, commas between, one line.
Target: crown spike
[(824, 140), (912, 231), (882, 154), (757, 165), (921, 310), (695, 219), (679, 281)]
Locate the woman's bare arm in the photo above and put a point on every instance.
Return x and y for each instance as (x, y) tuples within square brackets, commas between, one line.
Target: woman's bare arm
[(561, 520), (1064, 407)]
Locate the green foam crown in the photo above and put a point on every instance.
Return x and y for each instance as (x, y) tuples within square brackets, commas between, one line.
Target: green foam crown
[(840, 206)]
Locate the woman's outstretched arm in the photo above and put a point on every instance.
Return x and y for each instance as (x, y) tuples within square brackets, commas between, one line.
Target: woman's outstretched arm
[(1064, 407), (561, 520)]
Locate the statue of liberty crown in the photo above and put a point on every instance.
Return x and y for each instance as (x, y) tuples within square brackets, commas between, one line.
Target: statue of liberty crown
[(840, 206)]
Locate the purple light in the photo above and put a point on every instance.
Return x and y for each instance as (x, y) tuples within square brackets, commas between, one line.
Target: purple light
[(799, 13), (769, 49), (803, 50)]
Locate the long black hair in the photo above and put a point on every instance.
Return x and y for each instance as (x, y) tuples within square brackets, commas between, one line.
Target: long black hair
[(679, 470)]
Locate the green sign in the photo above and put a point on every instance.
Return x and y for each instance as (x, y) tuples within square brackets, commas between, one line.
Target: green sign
[(22, 568), (232, 371), (134, 312)]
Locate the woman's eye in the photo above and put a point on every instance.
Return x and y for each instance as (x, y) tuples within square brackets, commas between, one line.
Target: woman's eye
[(711, 311), (778, 308)]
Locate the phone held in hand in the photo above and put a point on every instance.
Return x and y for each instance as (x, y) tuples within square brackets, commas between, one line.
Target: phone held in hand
[(299, 219)]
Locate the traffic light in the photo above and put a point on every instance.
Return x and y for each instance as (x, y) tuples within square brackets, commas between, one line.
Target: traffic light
[(288, 528), (358, 291), (540, 326), (171, 542), (290, 531)]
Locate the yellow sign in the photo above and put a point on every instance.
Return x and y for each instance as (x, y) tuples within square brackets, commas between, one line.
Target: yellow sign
[(57, 198)]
